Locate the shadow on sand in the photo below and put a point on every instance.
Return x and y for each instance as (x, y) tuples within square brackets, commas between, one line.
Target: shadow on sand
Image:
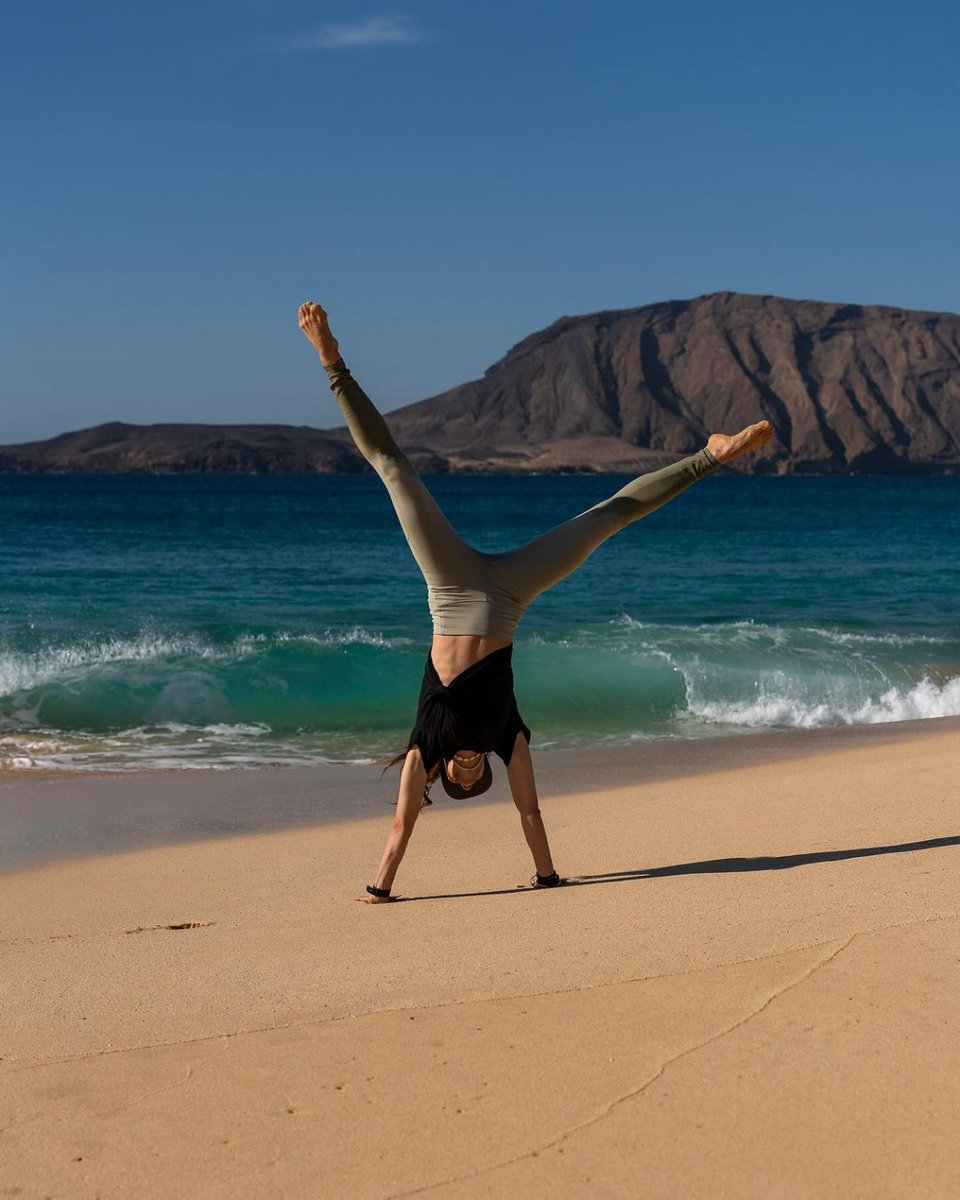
[(711, 866)]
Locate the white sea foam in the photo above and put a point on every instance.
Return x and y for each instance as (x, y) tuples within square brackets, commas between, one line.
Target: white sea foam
[(750, 630), (178, 729), (358, 636), (199, 703), (130, 751), (21, 671), (924, 699)]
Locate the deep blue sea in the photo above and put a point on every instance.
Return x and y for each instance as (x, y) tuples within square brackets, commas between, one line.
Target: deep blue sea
[(162, 621)]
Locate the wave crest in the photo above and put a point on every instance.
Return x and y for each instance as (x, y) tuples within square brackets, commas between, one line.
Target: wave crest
[(925, 699), (283, 695)]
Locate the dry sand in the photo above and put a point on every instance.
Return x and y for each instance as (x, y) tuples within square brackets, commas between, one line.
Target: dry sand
[(752, 990)]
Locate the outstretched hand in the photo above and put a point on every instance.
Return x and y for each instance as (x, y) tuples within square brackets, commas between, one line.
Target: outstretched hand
[(316, 328)]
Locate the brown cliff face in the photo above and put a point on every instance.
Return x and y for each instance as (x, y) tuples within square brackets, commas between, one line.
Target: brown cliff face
[(848, 389)]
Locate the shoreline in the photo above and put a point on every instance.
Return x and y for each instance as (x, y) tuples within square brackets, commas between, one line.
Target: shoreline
[(51, 816)]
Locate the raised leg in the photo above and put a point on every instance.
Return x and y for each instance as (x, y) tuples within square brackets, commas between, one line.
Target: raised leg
[(538, 565), (439, 550), (435, 544)]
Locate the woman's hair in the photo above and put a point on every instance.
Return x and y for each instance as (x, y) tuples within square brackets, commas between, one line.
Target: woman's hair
[(431, 774)]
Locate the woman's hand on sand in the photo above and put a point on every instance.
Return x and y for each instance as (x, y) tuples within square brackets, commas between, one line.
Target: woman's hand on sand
[(313, 322)]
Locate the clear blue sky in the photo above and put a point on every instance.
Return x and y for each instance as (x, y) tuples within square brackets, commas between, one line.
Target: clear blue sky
[(445, 177)]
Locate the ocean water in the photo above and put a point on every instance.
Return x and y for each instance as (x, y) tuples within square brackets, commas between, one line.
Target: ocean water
[(220, 621)]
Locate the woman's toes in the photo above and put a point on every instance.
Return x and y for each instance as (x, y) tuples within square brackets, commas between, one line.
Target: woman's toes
[(725, 447)]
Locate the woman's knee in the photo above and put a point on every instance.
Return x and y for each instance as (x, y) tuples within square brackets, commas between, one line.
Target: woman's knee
[(616, 513), (392, 466)]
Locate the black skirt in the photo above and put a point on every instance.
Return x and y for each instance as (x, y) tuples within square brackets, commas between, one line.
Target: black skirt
[(477, 710)]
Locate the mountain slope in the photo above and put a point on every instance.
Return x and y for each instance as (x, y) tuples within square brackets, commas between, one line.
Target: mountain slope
[(848, 389)]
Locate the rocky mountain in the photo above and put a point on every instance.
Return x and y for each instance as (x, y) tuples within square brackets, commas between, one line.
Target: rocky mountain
[(849, 389)]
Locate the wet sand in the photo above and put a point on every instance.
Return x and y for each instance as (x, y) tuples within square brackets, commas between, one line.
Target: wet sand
[(48, 815)]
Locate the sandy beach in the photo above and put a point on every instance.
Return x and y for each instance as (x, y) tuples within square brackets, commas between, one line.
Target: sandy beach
[(750, 987)]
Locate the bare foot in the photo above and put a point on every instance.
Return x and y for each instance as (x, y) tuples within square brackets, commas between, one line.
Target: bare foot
[(313, 322), (726, 446), (377, 899)]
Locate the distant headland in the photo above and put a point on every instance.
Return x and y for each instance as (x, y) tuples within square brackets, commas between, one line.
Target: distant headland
[(849, 390)]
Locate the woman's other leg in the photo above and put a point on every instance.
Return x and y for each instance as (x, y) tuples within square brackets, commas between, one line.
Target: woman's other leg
[(531, 569), (435, 544)]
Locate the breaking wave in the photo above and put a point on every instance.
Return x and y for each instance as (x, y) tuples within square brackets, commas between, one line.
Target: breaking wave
[(285, 696)]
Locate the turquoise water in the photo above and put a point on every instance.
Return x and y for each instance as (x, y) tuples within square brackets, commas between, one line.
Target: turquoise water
[(216, 621)]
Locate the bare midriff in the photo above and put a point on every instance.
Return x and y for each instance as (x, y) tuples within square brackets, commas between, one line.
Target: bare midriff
[(454, 652)]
